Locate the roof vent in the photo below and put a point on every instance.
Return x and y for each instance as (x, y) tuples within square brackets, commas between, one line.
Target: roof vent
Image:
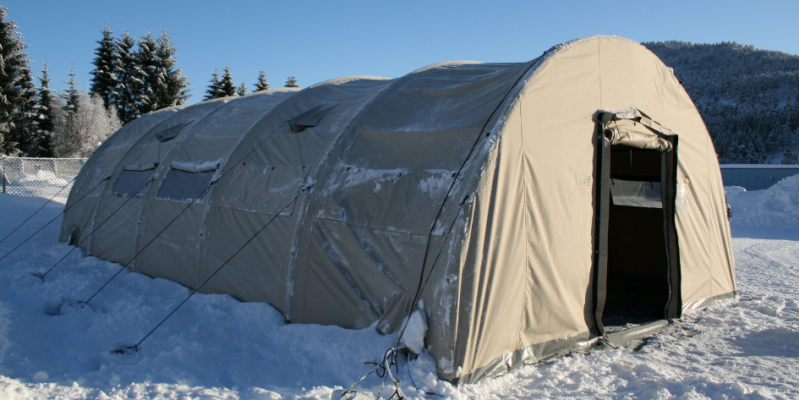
[(171, 133), (308, 119)]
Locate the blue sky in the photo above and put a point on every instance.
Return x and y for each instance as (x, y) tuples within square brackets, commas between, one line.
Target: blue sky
[(320, 40)]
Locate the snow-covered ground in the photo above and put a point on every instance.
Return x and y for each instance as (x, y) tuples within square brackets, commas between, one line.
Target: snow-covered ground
[(40, 184), (218, 348)]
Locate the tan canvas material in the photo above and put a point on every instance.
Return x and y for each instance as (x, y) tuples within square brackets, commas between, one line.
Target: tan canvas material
[(471, 186)]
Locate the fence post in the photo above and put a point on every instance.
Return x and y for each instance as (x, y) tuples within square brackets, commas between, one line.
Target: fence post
[(4, 175)]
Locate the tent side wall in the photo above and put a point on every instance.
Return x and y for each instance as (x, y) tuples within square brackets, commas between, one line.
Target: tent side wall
[(174, 254), (273, 164)]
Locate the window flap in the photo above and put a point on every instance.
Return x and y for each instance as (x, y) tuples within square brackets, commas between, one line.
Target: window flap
[(636, 194), (131, 183), (184, 186)]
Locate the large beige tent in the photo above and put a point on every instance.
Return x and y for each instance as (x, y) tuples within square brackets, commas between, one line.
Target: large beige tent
[(524, 215)]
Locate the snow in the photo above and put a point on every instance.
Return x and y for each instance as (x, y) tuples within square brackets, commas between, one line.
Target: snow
[(197, 167), (41, 184), (215, 347), (758, 166), (415, 330), (775, 207)]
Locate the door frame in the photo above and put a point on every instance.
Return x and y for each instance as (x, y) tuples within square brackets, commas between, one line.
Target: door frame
[(603, 141)]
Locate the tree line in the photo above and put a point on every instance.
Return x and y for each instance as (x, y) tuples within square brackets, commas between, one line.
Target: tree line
[(131, 77)]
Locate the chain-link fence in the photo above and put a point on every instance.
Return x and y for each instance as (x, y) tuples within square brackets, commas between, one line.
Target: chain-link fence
[(39, 177)]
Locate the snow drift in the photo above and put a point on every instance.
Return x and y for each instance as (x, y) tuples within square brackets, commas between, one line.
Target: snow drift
[(775, 207)]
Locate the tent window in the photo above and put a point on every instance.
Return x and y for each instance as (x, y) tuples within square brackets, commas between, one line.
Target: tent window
[(184, 186), (131, 183), (636, 194)]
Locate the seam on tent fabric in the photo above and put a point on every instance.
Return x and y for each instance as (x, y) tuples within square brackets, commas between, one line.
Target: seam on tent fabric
[(324, 162), (422, 280), (525, 206), (731, 265), (203, 244), (534, 65), (370, 228), (401, 83)]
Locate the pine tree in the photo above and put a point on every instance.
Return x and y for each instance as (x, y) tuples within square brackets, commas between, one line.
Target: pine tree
[(788, 157), (172, 89), (13, 61), (26, 125), (213, 89), (45, 116), (124, 97), (242, 90), (147, 73), (104, 81), (71, 95), (227, 87), (262, 84), (291, 82)]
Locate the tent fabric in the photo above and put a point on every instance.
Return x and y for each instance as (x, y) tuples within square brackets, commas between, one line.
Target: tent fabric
[(469, 185)]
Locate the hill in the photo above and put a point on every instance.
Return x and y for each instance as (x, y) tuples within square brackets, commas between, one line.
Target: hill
[(749, 98)]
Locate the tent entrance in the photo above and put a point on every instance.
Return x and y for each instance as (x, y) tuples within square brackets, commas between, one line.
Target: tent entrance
[(637, 288), (637, 263)]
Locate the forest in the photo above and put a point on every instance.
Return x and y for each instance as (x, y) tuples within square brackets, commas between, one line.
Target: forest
[(749, 98)]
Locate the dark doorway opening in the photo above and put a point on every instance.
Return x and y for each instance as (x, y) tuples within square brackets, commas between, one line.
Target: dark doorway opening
[(638, 282)]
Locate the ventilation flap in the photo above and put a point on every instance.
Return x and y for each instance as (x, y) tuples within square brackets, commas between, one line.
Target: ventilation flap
[(171, 133), (308, 119), (144, 167)]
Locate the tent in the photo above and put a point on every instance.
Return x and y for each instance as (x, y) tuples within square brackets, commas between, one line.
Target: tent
[(527, 204)]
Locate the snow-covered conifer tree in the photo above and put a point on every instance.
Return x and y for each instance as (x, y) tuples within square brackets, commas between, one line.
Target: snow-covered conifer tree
[(242, 90), (70, 95), (26, 125), (104, 81), (291, 82), (227, 87), (172, 89), (43, 138), (262, 84), (125, 94), (13, 63), (212, 91), (147, 74)]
